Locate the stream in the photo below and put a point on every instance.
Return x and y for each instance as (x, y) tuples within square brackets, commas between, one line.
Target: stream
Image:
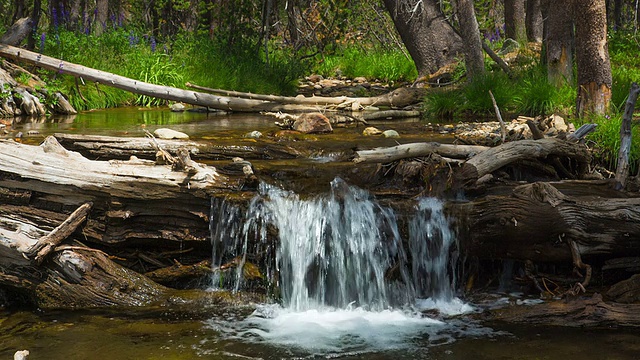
[(336, 297)]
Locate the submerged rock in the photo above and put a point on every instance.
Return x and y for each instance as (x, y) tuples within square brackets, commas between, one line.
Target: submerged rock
[(391, 134), (177, 107), (253, 135), (370, 131), (312, 123), (164, 133)]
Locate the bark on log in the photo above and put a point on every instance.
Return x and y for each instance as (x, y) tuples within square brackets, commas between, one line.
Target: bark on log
[(383, 155), (622, 170), (395, 98), (589, 312), (398, 98), (110, 147), (493, 159), (17, 32), (537, 222)]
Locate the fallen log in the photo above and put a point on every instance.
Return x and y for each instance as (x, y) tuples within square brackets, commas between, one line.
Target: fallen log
[(582, 312), (111, 147), (398, 152), (398, 98), (538, 222)]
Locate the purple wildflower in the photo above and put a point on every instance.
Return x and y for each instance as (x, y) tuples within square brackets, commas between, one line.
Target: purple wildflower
[(132, 38), (54, 16), (43, 38), (153, 44)]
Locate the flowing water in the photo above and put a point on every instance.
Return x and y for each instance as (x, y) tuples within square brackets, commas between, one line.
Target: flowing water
[(351, 278)]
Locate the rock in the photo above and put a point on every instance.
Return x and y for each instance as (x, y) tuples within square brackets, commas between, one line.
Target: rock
[(315, 78), (21, 355), (370, 131), (312, 123), (559, 123), (360, 79), (178, 107), (391, 134), (253, 135), (164, 133), (508, 46)]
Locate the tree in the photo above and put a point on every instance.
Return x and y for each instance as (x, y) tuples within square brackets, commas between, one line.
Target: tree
[(473, 55), (430, 39), (514, 20), (559, 42), (592, 57), (534, 20)]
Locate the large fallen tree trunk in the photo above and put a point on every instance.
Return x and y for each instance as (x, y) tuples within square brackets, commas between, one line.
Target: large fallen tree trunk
[(397, 98), (538, 222)]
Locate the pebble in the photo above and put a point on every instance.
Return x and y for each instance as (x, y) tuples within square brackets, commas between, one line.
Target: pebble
[(177, 107), (253, 135), (370, 131)]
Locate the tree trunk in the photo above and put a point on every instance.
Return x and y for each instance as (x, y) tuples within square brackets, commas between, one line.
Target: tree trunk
[(35, 21), (102, 14), (617, 14), (17, 32), (429, 38), (534, 21), (559, 43), (592, 58), (473, 54), (514, 20), (74, 14)]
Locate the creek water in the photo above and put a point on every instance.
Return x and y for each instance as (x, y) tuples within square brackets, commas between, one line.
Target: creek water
[(337, 297)]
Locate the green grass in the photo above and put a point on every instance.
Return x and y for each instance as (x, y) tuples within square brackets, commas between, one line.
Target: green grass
[(195, 59), (444, 104), (384, 65), (606, 142)]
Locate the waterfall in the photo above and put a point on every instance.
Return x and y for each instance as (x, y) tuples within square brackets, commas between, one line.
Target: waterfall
[(341, 249)]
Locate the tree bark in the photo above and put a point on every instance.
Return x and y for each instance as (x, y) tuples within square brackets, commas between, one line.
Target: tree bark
[(592, 58), (622, 170), (101, 16), (514, 20), (473, 55), (537, 221), (559, 43), (35, 21), (534, 21), (417, 21)]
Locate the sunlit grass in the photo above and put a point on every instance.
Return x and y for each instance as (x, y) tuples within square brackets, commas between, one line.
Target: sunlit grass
[(384, 65)]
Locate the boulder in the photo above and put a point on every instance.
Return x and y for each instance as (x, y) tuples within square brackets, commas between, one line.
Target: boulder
[(391, 134), (168, 134), (312, 123), (370, 131), (178, 107)]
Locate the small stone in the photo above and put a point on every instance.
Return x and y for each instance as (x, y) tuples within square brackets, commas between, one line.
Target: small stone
[(391, 134), (317, 86), (177, 107), (315, 78), (164, 133), (360, 79), (370, 131), (253, 135)]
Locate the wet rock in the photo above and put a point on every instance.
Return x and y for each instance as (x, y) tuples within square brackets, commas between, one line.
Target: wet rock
[(178, 107), (370, 131), (390, 134), (312, 123), (164, 133), (253, 135)]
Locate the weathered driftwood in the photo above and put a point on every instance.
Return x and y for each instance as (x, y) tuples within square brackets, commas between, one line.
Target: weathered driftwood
[(622, 170), (503, 132), (538, 222), (495, 158), (398, 98), (110, 147), (181, 274), (404, 151), (581, 312)]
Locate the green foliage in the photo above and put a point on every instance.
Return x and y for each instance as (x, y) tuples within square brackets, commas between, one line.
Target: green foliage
[(606, 140), (376, 63), (444, 103), (476, 93), (535, 95)]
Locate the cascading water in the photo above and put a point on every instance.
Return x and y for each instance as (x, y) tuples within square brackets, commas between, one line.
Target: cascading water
[(342, 268)]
